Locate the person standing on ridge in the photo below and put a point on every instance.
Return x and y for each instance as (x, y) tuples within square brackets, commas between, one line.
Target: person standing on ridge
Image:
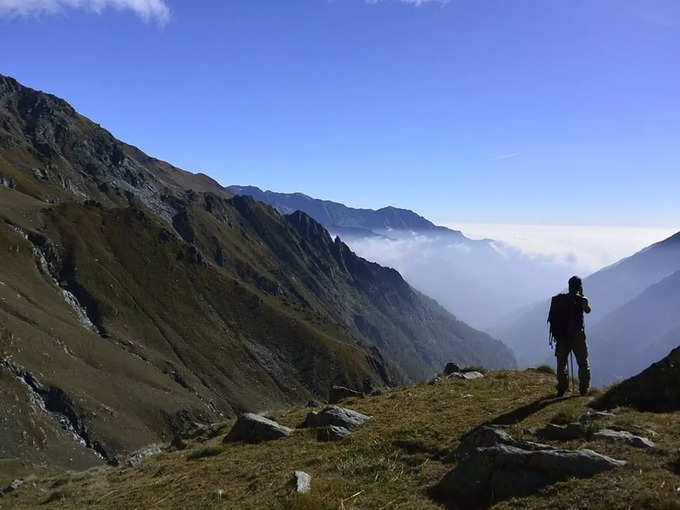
[(568, 331)]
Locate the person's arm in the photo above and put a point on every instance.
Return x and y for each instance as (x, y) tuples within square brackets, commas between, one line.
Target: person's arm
[(586, 305)]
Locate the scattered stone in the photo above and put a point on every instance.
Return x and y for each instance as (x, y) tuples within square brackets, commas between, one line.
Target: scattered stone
[(467, 375), (302, 482), (504, 470), (335, 415), (135, 460), (339, 393), (435, 380), (253, 428), (332, 433), (16, 484), (625, 437), (591, 416), (450, 368), (567, 432), (655, 389)]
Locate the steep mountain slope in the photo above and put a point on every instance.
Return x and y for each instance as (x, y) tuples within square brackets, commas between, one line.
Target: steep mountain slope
[(481, 281), (608, 290), (137, 299), (644, 329)]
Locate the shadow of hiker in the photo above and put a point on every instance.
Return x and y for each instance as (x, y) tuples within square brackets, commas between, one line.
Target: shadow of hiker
[(521, 413)]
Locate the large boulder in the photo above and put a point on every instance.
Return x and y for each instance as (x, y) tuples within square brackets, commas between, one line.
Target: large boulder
[(655, 389), (335, 415), (252, 428), (511, 468)]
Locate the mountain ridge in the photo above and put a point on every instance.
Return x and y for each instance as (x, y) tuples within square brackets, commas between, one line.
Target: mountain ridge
[(124, 271)]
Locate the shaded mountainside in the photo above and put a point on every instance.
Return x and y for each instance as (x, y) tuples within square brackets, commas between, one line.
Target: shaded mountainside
[(347, 221), (482, 281), (609, 290), (644, 329), (137, 299)]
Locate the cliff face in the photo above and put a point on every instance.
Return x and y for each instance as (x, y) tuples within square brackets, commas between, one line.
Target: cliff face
[(137, 298)]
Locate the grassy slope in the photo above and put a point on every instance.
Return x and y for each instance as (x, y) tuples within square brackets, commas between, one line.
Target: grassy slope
[(388, 463)]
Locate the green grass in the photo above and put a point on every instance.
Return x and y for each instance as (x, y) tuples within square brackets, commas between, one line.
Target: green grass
[(388, 463)]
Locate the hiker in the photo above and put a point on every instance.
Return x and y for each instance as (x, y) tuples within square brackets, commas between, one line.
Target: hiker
[(568, 332)]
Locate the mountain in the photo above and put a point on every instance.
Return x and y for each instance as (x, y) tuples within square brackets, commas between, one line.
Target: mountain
[(137, 299), (349, 221), (642, 330), (632, 302), (482, 281)]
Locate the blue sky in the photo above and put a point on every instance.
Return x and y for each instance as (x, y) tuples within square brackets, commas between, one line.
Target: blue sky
[(489, 111)]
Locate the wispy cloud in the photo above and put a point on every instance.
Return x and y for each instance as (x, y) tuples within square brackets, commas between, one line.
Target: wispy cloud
[(506, 156), (148, 10), (411, 2)]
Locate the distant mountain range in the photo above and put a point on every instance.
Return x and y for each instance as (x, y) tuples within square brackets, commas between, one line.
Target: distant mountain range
[(137, 299), (346, 221)]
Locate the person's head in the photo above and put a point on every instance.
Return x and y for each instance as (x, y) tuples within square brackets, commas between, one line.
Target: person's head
[(575, 285)]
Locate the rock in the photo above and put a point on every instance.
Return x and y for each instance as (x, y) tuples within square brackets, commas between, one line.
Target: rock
[(467, 375), (491, 435), (450, 368), (595, 416), (314, 403), (655, 389), (567, 432), (512, 468), (339, 393), (253, 428), (332, 433), (625, 437), (435, 380), (335, 415), (135, 460), (16, 484), (302, 482)]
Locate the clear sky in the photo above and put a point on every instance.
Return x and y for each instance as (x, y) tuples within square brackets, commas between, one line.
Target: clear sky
[(489, 111)]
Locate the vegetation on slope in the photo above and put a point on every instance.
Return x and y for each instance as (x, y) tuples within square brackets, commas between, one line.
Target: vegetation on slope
[(390, 462)]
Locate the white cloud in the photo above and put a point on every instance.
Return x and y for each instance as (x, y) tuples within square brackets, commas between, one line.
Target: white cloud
[(585, 248), (506, 156), (411, 2), (146, 9)]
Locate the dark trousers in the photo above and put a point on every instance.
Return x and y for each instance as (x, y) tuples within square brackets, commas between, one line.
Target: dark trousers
[(577, 345)]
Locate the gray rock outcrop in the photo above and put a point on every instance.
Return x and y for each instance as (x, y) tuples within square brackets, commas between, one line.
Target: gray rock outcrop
[(655, 389), (252, 428), (335, 415), (511, 468)]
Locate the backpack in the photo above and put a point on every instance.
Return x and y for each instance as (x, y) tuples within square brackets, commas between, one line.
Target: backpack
[(563, 317)]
